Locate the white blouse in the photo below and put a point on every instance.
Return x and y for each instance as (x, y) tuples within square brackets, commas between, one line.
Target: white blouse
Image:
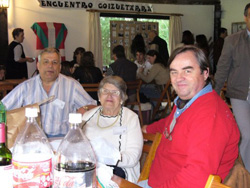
[(123, 132)]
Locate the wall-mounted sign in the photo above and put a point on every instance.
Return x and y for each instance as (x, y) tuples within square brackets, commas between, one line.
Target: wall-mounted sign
[(97, 4)]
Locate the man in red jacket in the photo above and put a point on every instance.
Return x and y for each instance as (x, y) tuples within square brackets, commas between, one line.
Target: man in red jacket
[(200, 136)]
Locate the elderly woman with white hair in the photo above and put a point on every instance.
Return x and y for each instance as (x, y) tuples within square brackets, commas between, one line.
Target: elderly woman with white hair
[(118, 125)]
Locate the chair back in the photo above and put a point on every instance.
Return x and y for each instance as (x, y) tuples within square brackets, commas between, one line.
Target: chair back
[(223, 95), (135, 86), (151, 142), (238, 177), (214, 181), (4, 89), (91, 89), (167, 95)]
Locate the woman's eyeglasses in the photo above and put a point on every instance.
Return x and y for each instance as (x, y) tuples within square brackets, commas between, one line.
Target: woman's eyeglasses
[(113, 93)]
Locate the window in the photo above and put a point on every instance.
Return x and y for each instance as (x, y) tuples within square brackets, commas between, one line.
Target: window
[(105, 19)]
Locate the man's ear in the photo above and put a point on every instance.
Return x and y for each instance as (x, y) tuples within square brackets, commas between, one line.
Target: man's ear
[(206, 74), (37, 65)]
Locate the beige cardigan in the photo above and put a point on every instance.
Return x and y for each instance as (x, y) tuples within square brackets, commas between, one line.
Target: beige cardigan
[(158, 73)]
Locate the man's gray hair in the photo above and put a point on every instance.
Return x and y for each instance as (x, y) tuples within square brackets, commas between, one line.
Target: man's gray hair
[(49, 50)]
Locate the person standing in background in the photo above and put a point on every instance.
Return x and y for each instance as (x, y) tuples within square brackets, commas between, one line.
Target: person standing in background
[(16, 67), (234, 67), (158, 44), (137, 43), (218, 45)]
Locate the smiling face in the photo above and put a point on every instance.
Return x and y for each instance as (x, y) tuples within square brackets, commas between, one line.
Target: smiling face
[(110, 99), (49, 67), (186, 76)]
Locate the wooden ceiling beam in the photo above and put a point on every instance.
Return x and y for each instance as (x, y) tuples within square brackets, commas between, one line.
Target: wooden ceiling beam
[(180, 2)]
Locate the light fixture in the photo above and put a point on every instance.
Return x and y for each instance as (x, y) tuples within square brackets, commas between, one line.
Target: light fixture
[(4, 3)]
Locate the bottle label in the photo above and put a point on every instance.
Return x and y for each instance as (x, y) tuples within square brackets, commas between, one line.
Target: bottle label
[(2, 132), (32, 174), (64, 179), (6, 176)]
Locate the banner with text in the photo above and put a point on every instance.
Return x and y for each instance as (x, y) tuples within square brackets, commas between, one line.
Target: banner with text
[(97, 4)]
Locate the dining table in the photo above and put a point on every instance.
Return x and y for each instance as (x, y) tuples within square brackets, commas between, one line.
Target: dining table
[(122, 183)]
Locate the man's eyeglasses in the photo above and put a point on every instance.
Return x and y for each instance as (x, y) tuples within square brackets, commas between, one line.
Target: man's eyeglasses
[(113, 93)]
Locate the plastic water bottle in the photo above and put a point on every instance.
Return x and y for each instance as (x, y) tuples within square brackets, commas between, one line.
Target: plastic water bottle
[(5, 154), (32, 155), (75, 163)]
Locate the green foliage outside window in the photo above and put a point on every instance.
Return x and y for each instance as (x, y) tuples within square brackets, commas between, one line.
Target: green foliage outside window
[(105, 29)]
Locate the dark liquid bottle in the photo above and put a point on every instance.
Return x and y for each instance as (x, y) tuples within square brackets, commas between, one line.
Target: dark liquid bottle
[(75, 159), (5, 154), (83, 171)]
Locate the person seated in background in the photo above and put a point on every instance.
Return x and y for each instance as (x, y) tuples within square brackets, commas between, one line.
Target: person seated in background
[(2, 78), (141, 61), (67, 68), (200, 137), (87, 72), (122, 66), (78, 53), (69, 95), (187, 39), (118, 125), (2, 72), (157, 76)]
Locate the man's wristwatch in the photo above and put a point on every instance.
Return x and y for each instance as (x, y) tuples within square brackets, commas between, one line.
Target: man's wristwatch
[(86, 108)]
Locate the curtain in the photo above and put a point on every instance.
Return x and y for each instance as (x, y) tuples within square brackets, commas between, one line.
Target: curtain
[(175, 32), (95, 38)]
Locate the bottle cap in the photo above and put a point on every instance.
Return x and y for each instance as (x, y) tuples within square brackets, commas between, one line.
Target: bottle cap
[(75, 118), (31, 112)]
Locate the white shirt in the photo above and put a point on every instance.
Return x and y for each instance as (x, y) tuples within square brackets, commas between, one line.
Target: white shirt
[(69, 96), (17, 52), (146, 66)]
